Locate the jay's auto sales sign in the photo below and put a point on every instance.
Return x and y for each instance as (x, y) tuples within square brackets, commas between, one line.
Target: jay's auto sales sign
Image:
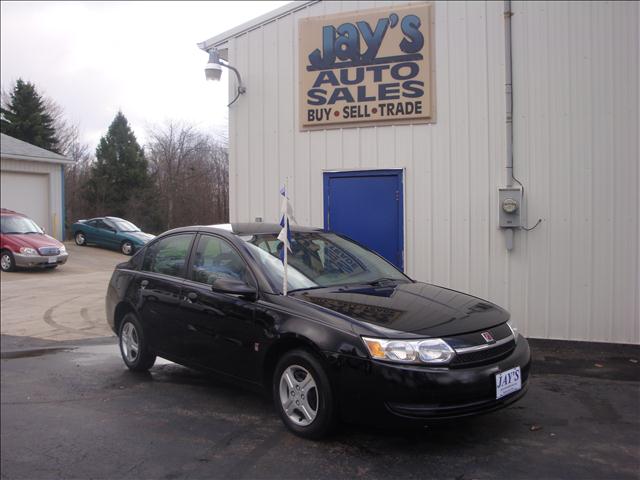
[(368, 67)]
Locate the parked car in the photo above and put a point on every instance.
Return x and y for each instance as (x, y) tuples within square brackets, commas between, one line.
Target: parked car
[(110, 232), (24, 244), (354, 337)]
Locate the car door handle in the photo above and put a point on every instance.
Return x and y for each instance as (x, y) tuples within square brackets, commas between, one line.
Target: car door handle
[(192, 297), (144, 283)]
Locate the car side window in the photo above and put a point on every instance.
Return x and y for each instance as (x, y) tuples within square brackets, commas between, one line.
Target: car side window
[(168, 255), (215, 258), (100, 224), (109, 225), (92, 223)]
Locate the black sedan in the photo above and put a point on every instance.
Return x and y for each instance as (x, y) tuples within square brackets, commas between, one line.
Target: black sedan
[(354, 338)]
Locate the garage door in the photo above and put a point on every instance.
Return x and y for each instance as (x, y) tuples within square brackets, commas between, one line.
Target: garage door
[(27, 193)]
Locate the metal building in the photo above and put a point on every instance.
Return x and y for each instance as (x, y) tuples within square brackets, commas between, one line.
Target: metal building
[(33, 183), (575, 76)]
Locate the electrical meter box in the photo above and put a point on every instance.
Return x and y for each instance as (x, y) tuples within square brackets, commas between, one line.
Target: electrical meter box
[(510, 207)]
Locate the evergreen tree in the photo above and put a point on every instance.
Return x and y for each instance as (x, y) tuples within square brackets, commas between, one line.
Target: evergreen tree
[(119, 175), (25, 117)]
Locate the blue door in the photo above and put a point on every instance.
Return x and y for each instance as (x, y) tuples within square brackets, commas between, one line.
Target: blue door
[(367, 206)]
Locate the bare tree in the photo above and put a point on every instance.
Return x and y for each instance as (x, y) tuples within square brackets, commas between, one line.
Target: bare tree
[(190, 173)]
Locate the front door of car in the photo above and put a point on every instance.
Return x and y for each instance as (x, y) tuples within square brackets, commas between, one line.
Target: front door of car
[(159, 291), (103, 234), (222, 330)]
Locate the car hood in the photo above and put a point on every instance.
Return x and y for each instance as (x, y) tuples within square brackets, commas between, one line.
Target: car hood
[(34, 240), (409, 309), (140, 237)]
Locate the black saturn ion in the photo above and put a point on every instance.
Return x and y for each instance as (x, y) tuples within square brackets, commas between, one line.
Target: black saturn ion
[(354, 338)]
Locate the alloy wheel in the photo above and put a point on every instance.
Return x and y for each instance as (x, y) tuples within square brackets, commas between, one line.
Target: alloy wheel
[(299, 395), (80, 240), (129, 342), (5, 262), (127, 248)]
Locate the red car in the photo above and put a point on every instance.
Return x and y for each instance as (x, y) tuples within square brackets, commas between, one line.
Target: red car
[(24, 244)]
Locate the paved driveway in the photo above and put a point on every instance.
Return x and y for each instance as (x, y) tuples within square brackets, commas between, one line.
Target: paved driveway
[(69, 408), (78, 413), (62, 304)]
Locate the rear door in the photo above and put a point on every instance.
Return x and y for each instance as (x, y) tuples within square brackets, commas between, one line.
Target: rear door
[(159, 287)]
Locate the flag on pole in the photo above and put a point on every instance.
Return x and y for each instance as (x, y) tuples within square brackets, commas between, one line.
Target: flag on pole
[(285, 236)]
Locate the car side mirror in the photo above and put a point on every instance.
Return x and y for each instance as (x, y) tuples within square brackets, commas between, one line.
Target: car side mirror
[(234, 287)]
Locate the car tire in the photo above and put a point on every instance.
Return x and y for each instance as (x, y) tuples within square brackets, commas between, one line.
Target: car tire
[(127, 247), (133, 345), (7, 262), (302, 394), (80, 238)]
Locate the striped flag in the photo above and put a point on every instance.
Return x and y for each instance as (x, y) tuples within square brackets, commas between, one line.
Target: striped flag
[(285, 236)]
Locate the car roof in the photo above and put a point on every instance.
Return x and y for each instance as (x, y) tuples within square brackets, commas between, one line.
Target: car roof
[(6, 211), (254, 228), (249, 228)]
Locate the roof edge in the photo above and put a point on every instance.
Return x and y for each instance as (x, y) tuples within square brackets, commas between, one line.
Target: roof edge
[(255, 23), (29, 158)]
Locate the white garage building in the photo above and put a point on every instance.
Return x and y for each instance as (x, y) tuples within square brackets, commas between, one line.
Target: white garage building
[(33, 183), (389, 120)]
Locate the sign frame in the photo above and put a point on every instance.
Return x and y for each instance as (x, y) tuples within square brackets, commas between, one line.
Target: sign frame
[(430, 88)]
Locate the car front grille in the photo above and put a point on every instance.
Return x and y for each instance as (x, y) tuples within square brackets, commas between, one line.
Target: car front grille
[(49, 251), (487, 355)]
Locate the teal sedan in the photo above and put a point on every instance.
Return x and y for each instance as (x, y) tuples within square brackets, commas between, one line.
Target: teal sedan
[(110, 232)]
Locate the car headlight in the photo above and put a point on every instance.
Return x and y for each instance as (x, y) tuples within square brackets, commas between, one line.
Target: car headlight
[(63, 249), (28, 251), (514, 330), (432, 351)]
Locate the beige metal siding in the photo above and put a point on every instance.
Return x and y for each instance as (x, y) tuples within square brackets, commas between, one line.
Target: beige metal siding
[(576, 150), (54, 175)]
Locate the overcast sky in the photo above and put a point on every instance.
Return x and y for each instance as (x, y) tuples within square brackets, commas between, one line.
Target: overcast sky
[(94, 58)]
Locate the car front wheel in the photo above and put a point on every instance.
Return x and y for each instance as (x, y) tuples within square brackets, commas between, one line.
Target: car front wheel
[(302, 394), (133, 346), (7, 263), (80, 239), (126, 248)]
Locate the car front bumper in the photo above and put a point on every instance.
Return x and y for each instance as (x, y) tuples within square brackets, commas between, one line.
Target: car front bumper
[(39, 261), (394, 393)]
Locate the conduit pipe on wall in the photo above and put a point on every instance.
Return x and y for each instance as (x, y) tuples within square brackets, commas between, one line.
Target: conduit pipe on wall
[(508, 89), (511, 219)]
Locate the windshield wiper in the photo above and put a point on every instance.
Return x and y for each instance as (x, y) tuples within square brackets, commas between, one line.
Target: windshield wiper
[(306, 288), (382, 280)]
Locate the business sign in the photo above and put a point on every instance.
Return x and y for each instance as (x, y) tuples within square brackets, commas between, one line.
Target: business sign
[(368, 67)]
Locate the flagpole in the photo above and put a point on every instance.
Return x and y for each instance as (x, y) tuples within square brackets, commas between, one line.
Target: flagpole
[(285, 280), (284, 236)]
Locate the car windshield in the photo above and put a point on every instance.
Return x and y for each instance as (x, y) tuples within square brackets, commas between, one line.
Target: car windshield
[(123, 226), (16, 224), (321, 259)]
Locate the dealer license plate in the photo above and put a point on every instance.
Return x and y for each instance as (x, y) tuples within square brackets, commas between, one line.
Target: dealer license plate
[(53, 259), (508, 382)]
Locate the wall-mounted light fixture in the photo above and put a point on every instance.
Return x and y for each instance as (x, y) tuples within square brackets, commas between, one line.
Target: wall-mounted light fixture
[(213, 71)]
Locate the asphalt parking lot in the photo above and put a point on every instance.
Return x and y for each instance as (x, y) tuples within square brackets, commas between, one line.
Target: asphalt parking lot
[(70, 409)]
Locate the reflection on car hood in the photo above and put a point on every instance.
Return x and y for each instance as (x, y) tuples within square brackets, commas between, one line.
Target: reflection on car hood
[(415, 309), (138, 236), (34, 240)]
